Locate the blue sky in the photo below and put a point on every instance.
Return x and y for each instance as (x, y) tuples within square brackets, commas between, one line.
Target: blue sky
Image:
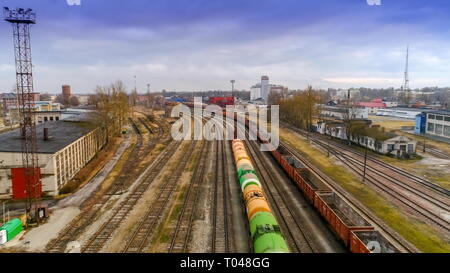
[(202, 44)]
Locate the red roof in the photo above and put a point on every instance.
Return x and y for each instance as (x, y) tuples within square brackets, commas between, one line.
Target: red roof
[(372, 104)]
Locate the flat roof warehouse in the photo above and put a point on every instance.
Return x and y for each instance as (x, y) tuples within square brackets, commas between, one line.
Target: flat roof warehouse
[(61, 133)]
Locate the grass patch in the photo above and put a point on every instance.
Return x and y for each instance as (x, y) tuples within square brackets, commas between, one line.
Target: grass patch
[(391, 124), (423, 236)]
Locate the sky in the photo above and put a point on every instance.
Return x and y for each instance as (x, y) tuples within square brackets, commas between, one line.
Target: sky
[(203, 44)]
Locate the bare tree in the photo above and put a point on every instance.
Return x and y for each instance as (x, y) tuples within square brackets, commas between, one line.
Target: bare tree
[(62, 99), (74, 101), (112, 107), (45, 97), (300, 109)]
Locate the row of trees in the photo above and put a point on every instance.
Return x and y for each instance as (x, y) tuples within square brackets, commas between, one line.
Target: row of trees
[(300, 109), (112, 107), (68, 101)]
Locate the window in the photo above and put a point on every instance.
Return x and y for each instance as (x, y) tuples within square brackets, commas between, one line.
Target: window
[(438, 129), (45, 119), (378, 144), (410, 148), (390, 147), (439, 118), (447, 118), (57, 118), (431, 116), (430, 127), (447, 131), (51, 118)]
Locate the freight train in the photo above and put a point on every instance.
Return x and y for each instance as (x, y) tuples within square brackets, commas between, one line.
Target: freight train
[(264, 229), (358, 235)]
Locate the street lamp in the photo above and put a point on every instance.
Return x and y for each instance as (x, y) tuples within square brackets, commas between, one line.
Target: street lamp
[(232, 87)]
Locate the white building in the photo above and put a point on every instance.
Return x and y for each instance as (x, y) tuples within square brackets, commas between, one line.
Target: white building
[(390, 104), (339, 112), (43, 111), (408, 113), (265, 87), (255, 92), (69, 146), (438, 123), (343, 93), (262, 90), (395, 145)]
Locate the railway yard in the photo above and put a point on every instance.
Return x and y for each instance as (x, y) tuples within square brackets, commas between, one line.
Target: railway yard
[(165, 195)]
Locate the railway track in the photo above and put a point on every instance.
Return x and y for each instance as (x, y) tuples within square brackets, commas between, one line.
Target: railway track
[(72, 231), (181, 234), (135, 127), (150, 130), (417, 179), (220, 241), (298, 240), (380, 181), (141, 237), (427, 202), (293, 230), (96, 242), (395, 238), (436, 152), (320, 140)]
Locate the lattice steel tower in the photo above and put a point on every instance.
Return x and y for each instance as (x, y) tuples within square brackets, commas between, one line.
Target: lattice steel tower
[(21, 20)]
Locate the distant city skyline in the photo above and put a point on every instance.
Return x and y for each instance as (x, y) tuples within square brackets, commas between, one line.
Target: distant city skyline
[(203, 44)]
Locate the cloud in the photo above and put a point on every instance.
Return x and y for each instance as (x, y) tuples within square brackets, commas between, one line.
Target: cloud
[(201, 44)]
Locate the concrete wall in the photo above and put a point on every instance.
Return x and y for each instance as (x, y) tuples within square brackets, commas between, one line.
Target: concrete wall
[(73, 157)]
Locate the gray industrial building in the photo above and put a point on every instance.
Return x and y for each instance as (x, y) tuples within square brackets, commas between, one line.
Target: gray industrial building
[(62, 152)]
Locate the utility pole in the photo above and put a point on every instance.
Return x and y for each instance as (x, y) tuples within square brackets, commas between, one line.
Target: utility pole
[(21, 20), (365, 164), (3, 212), (328, 146), (424, 138)]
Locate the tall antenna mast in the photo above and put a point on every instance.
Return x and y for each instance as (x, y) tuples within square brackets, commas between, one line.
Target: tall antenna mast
[(406, 81), (21, 20)]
